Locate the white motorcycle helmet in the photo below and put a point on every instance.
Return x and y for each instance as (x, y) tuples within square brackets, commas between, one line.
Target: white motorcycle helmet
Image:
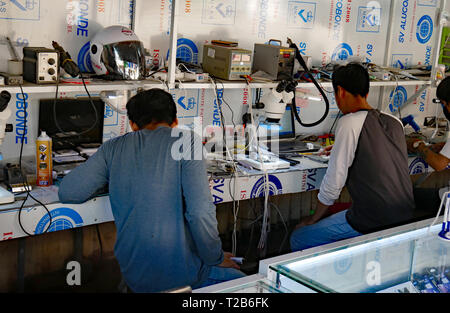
[(117, 53)]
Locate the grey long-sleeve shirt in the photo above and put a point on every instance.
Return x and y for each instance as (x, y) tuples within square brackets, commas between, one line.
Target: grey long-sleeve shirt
[(166, 222)]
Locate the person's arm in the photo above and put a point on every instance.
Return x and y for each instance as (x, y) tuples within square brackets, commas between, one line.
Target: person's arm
[(201, 211), (83, 182), (320, 211), (436, 160)]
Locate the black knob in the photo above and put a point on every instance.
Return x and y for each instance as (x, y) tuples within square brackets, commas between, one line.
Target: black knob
[(5, 96), (51, 71), (51, 61), (9, 128)]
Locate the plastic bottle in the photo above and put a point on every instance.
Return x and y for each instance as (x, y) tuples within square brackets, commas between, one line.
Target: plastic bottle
[(44, 162)]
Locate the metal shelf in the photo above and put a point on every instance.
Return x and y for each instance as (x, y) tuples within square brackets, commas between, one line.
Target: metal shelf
[(241, 84), (93, 86), (99, 85)]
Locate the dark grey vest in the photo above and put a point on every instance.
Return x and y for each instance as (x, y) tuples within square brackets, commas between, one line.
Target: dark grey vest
[(378, 180)]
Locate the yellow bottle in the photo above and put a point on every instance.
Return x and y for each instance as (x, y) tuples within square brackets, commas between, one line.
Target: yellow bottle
[(44, 162)]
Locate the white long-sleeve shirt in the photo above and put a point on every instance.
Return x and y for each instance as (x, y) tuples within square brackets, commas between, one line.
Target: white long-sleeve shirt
[(342, 155)]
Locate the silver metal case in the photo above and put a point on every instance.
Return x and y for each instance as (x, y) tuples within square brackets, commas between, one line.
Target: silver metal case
[(228, 63), (277, 61)]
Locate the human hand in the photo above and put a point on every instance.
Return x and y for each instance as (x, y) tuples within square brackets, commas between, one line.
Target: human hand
[(305, 222), (436, 148), (228, 262), (410, 144), (326, 151)]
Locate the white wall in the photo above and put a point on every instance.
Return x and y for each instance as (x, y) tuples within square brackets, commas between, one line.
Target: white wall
[(326, 33)]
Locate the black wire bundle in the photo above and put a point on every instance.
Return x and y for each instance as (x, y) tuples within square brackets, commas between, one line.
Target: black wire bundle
[(27, 186), (293, 106), (24, 181), (92, 104)]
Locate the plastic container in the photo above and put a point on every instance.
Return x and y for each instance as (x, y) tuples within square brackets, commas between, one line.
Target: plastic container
[(44, 160)]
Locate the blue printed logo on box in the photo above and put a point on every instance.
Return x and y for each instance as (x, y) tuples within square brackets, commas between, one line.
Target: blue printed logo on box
[(418, 166), (187, 106), (62, 218), (424, 29), (111, 118), (187, 103), (301, 14), (342, 52), (342, 265), (259, 190), (84, 58), (397, 100), (20, 10), (401, 61), (369, 20), (187, 51), (219, 12)]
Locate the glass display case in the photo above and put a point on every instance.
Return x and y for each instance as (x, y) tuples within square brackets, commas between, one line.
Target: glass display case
[(402, 260), (250, 284)]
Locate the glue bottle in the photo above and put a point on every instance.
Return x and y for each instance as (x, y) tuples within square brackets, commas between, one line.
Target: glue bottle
[(44, 160)]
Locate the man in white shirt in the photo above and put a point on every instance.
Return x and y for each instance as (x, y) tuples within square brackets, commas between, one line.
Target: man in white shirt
[(437, 156), (370, 158)]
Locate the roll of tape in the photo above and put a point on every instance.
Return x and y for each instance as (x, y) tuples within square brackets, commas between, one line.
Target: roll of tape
[(15, 67)]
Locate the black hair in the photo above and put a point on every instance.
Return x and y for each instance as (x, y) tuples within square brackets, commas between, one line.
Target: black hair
[(443, 90), (353, 77), (153, 105)]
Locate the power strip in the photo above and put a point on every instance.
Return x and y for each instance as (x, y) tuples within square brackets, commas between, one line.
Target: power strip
[(164, 76), (197, 77), (268, 162)]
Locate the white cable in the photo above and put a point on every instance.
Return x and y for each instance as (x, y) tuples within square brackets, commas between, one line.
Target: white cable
[(263, 238), (184, 89), (105, 99), (235, 203), (437, 124), (394, 93), (284, 223), (444, 197), (185, 68)]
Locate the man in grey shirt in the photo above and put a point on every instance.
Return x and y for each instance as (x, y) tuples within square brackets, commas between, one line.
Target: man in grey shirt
[(166, 223), (370, 157)]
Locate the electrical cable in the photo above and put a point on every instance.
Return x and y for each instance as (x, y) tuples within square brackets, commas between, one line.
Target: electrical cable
[(396, 88), (444, 197), (338, 116), (92, 104), (265, 226), (114, 108), (394, 96), (229, 107), (436, 121), (154, 72), (235, 171), (302, 62), (252, 224), (285, 227), (24, 180)]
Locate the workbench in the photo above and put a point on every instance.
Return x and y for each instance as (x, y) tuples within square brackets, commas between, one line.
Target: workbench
[(303, 177)]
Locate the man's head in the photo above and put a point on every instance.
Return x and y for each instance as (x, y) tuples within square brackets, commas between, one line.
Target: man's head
[(443, 94), (351, 85), (151, 108)]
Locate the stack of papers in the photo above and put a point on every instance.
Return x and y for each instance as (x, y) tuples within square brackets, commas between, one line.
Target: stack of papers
[(65, 156)]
